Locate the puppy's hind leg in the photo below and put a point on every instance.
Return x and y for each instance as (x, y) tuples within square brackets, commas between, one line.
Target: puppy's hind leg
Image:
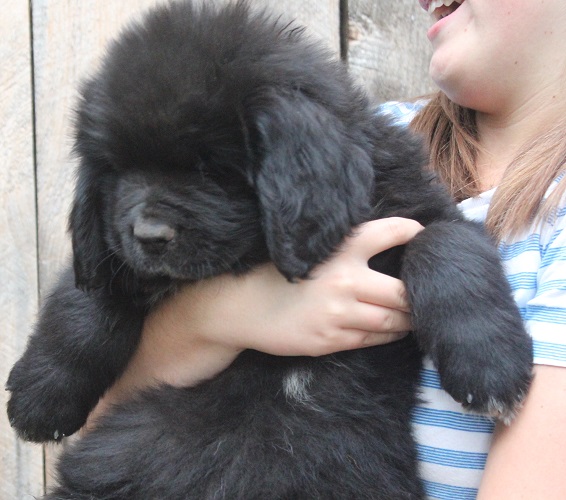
[(144, 449)]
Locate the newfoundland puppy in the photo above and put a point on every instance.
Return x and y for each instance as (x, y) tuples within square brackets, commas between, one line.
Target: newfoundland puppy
[(213, 139)]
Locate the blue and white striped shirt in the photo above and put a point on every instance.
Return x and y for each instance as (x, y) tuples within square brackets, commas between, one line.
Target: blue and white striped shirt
[(453, 444)]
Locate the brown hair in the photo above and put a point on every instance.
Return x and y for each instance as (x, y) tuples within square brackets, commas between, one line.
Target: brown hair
[(451, 133)]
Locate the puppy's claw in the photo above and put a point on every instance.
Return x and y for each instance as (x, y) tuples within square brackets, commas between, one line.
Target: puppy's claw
[(505, 412)]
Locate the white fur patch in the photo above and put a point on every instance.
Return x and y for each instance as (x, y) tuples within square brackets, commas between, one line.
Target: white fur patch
[(296, 385)]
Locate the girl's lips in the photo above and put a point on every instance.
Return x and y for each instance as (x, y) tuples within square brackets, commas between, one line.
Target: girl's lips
[(435, 28), (444, 18), (424, 4)]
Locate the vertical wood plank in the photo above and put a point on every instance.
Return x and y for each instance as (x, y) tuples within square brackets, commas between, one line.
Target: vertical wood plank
[(21, 468), (388, 49), (321, 17), (69, 38)]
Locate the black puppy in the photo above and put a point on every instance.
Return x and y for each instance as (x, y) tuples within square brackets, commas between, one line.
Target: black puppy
[(212, 140)]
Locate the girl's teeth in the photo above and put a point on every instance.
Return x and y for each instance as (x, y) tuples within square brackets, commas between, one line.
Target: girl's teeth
[(435, 4)]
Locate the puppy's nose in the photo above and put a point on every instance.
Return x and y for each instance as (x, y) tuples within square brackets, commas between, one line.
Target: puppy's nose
[(153, 231)]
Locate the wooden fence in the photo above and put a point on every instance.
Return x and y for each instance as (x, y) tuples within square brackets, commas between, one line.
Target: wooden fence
[(46, 47)]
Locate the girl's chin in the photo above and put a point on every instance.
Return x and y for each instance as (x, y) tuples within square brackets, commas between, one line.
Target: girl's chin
[(440, 71), (447, 67), (463, 92), (448, 82)]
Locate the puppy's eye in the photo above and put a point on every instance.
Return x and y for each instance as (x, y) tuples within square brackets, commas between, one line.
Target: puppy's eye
[(164, 205)]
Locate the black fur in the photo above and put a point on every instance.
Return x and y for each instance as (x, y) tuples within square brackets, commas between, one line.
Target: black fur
[(212, 140)]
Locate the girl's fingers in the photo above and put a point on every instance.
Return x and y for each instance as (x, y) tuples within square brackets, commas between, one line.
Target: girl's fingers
[(383, 290), (357, 339), (374, 319), (382, 234), (373, 339)]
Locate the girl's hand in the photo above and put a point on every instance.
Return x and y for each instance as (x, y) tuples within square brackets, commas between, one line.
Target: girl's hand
[(344, 305)]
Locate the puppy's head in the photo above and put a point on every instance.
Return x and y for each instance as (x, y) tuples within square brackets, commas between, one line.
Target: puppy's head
[(212, 140)]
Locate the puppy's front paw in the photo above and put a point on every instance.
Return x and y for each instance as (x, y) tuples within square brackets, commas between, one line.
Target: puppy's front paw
[(45, 405), (489, 378)]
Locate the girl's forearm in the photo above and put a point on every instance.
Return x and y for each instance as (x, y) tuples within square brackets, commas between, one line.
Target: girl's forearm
[(527, 459)]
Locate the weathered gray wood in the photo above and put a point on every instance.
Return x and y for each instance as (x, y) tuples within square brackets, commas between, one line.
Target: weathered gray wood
[(388, 49), (321, 17), (69, 38), (21, 468)]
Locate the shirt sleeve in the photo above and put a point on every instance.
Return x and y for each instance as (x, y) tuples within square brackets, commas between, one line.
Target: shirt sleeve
[(545, 313)]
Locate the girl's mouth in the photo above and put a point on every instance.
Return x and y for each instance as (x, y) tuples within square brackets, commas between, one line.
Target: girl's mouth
[(438, 9)]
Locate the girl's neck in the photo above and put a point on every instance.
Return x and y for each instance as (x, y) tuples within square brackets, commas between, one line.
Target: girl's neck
[(500, 144), (503, 135)]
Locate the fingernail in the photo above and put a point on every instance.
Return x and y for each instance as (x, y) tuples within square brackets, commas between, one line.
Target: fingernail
[(399, 336)]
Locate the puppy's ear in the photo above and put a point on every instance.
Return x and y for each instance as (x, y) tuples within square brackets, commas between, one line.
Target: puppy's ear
[(314, 181), (86, 227)]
